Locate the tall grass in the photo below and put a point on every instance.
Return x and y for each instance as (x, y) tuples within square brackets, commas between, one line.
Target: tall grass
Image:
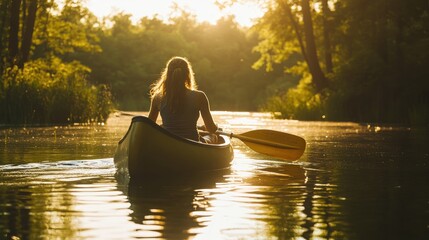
[(50, 91)]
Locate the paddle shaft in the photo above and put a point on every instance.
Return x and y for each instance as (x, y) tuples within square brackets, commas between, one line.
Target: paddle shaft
[(258, 141), (273, 143)]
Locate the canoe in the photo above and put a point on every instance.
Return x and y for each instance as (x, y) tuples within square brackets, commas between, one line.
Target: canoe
[(148, 149)]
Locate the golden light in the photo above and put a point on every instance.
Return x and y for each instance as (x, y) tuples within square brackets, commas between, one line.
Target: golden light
[(205, 11)]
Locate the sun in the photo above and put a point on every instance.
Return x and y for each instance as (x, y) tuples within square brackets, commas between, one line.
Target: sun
[(205, 11)]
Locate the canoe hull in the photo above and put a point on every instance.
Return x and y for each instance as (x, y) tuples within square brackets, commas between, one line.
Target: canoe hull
[(148, 149)]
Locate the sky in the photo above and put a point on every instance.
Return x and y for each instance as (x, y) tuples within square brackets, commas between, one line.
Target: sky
[(205, 10)]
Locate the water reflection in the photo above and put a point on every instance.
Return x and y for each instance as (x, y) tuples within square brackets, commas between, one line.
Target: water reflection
[(41, 200), (163, 205), (353, 182), (254, 200), (20, 145), (258, 199)]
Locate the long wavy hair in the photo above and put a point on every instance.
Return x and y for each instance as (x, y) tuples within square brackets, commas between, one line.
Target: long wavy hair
[(175, 79)]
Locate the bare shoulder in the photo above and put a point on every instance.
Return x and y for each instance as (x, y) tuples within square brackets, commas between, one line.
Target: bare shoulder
[(156, 100), (200, 94), (201, 98)]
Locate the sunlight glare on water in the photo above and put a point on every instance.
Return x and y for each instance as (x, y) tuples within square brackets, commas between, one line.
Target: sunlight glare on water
[(66, 186)]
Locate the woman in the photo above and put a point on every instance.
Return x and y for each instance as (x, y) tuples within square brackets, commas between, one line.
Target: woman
[(176, 97)]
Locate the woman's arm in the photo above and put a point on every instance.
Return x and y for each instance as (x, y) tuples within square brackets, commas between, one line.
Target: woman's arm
[(154, 108), (205, 113)]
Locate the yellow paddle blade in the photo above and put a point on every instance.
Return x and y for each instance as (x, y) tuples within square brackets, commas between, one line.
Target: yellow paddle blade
[(274, 143)]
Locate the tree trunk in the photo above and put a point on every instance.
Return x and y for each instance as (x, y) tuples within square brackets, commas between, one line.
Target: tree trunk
[(288, 11), (382, 36), (23, 15), (326, 36), (4, 14), (319, 79), (27, 37), (13, 31)]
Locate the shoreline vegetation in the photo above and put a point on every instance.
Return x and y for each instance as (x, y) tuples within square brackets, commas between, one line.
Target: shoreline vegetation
[(52, 92), (330, 61)]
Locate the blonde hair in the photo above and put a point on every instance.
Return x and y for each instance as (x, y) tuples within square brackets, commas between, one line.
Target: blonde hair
[(176, 77)]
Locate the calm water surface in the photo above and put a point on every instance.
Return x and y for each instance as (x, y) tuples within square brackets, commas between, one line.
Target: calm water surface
[(353, 182)]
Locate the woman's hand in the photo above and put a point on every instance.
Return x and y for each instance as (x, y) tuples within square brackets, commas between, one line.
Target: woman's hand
[(202, 128)]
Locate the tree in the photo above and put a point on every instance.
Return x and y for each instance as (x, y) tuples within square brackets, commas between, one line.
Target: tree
[(299, 22), (19, 53), (41, 81), (317, 74), (382, 49), (67, 34), (327, 36)]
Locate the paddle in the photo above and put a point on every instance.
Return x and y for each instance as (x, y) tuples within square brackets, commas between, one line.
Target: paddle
[(273, 143)]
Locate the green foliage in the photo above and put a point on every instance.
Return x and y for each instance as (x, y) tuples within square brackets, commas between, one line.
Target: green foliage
[(134, 54), (298, 102), (380, 51), (52, 87), (50, 91), (132, 58), (73, 31), (381, 76), (276, 44), (229, 80)]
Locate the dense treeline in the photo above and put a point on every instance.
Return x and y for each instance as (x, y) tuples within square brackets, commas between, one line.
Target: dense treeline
[(134, 54), (352, 60), (118, 57), (360, 60)]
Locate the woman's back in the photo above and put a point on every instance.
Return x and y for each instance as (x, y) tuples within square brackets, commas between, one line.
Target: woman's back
[(182, 121), (174, 95)]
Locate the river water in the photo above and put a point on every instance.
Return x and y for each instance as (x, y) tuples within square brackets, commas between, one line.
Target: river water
[(354, 181)]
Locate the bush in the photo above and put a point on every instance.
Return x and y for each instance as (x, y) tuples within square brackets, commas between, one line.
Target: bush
[(50, 91), (297, 103)]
